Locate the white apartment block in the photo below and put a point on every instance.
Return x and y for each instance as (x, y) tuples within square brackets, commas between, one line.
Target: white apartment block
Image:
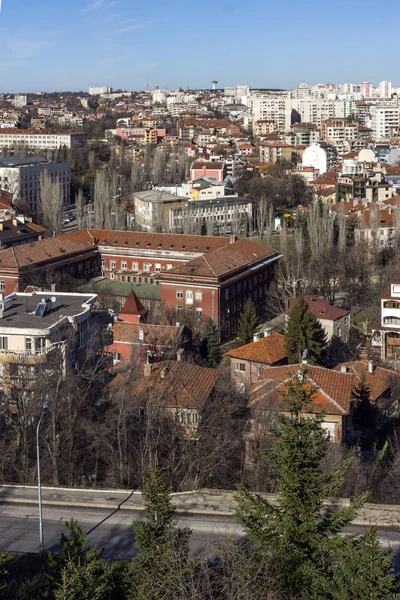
[(97, 91), (39, 140), (21, 177), (383, 118), (316, 111), (272, 108)]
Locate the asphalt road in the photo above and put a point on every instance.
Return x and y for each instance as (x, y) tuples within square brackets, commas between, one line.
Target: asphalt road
[(19, 529)]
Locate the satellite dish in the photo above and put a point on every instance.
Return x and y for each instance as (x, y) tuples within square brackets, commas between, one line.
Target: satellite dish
[(53, 299)]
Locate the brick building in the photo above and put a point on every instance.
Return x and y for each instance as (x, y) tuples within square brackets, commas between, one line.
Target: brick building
[(213, 275)]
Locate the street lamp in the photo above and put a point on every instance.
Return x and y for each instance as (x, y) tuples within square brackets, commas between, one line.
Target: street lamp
[(45, 406)]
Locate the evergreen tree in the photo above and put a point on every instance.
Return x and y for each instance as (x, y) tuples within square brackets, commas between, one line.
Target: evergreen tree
[(365, 412), (75, 548), (304, 332), (162, 570), (210, 344), (95, 580), (301, 538), (247, 324)]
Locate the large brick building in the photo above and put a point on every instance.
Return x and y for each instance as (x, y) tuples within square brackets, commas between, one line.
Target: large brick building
[(212, 275)]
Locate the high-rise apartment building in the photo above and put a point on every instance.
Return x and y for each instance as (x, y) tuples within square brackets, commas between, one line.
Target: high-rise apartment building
[(385, 89), (366, 89)]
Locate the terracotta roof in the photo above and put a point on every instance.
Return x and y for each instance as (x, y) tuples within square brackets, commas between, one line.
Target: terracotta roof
[(268, 350), (143, 240), (328, 178), (160, 335), (171, 384), (378, 382), (37, 252), (214, 166), (319, 307), (222, 261), (333, 389), (133, 306)]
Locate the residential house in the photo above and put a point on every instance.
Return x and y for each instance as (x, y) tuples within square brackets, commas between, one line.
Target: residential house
[(249, 361), (216, 170), (334, 320), (18, 230), (386, 329), (267, 396), (181, 389)]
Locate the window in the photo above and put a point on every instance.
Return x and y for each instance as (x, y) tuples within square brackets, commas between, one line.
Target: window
[(391, 320), (199, 296), (40, 344), (103, 264), (116, 357), (1, 371), (28, 345), (158, 268), (169, 266), (199, 313), (82, 334), (391, 304), (135, 266), (147, 266), (240, 367), (179, 309), (3, 343), (124, 264), (2, 285), (111, 275), (113, 264), (189, 297), (141, 335), (179, 293)]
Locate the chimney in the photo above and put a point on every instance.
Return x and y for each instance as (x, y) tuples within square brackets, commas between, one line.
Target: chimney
[(179, 355), (53, 287), (343, 369), (232, 239), (370, 366), (164, 372), (1, 226), (147, 370), (15, 221)]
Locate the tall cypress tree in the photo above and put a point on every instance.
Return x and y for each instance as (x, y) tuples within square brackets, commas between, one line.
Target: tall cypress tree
[(304, 332), (248, 322), (301, 537)]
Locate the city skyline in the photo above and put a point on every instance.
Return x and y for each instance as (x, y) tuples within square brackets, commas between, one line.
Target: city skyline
[(69, 46)]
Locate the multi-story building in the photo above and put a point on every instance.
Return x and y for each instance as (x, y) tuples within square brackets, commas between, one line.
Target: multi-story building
[(321, 156), (22, 177), (383, 120), (366, 89), (263, 127), (271, 152), (40, 140), (216, 170), (224, 215), (386, 330), (339, 129), (213, 275), (20, 100), (385, 89), (15, 231), (97, 91), (304, 134), (152, 207), (34, 326), (334, 321), (272, 108)]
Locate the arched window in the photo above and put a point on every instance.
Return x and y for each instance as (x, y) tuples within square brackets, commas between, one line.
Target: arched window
[(391, 321)]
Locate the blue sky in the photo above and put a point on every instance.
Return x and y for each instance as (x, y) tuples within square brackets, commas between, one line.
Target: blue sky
[(71, 44)]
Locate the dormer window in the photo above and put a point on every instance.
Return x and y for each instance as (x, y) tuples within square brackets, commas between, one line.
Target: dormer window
[(396, 290)]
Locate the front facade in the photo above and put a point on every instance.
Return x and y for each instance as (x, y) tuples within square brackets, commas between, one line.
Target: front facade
[(22, 177), (218, 284), (386, 330), (334, 321), (216, 170), (40, 140)]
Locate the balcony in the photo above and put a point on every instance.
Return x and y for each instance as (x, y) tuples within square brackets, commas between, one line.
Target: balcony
[(31, 356)]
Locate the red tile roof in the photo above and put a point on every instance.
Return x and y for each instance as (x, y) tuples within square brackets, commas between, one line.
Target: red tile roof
[(223, 261), (268, 350), (133, 306), (333, 395), (319, 307), (153, 335), (170, 384), (378, 382), (37, 252)]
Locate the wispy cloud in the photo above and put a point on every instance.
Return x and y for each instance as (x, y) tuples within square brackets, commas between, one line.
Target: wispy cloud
[(126, 27), (24, 48), (95, 5)]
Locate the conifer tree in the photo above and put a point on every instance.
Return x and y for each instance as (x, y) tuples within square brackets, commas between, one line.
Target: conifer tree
[(210, 344), (304, 332), (364, 413), (162, 570), (300, 537), (95, 580), (247, 324)]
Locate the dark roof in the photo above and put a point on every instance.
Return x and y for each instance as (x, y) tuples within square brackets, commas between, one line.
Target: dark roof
[(133, 306), (319, 307)]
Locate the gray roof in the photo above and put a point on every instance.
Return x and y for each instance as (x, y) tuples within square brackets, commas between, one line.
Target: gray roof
[(18, 161), (21, 312), (156, 196)]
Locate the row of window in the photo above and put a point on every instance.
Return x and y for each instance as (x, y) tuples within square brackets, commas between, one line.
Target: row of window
[(189, 295), (135, 265)]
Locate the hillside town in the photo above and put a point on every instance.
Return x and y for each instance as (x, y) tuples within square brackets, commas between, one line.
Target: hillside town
[(187, 274)]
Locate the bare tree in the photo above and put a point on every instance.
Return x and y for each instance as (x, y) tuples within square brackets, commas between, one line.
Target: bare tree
[(51, 203)]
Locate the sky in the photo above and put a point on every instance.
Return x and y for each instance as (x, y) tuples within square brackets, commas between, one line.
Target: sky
[(54, 45)]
